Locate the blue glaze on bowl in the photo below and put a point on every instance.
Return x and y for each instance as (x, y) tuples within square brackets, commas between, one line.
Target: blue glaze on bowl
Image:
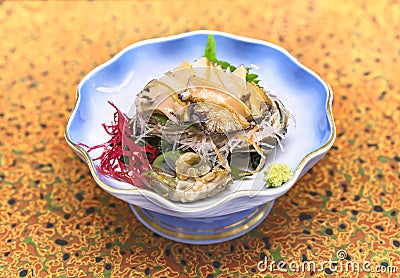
[(302, 91), (206, 230)]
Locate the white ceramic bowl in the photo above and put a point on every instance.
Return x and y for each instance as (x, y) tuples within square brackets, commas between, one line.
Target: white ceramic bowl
[(301, 90)]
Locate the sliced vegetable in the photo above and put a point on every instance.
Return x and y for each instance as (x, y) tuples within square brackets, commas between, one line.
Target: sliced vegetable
[(161, 118), (166, 161)]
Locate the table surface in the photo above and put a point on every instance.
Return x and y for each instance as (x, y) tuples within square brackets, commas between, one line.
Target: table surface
[(54, 219)]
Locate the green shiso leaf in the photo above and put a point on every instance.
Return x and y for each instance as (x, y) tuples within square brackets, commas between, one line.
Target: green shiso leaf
[(211, 49), (211, 54)]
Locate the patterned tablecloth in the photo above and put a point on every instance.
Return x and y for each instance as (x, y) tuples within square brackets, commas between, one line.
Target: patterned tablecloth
[(56, 222)]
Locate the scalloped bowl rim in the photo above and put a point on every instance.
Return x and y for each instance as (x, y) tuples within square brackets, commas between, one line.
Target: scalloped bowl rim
[(271, 192)]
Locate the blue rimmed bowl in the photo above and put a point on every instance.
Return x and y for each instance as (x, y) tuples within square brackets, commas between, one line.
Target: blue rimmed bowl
[(243, 205)]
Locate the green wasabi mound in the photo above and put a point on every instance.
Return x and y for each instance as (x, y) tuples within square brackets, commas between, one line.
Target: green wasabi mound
[(277, 174)]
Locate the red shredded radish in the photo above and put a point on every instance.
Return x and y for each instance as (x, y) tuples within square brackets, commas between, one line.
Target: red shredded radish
[(112, 161)]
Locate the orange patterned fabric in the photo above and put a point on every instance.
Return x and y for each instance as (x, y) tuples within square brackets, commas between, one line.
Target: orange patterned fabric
[(56, 222)]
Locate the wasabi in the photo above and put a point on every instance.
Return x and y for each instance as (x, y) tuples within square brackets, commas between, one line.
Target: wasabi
[(277, 174)]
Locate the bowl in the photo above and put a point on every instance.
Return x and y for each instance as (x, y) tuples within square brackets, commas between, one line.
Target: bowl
[(240, 207)]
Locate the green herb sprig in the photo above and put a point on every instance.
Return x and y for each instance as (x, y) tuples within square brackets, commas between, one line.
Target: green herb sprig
[(211, 54)]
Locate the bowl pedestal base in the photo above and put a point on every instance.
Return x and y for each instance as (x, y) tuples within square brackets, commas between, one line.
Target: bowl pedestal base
[(206, 230)]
